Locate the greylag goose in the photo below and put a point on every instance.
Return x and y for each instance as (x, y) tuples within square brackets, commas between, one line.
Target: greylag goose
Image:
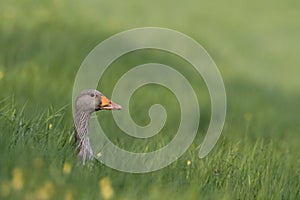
[(86, 103)]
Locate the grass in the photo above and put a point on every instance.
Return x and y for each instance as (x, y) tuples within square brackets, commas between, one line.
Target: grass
[(234, 170), (254, 44)]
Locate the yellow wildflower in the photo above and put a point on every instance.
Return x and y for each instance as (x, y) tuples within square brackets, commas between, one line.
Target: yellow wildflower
[(99, 155), (106, 189), (188, 162), (68, 195), (1, 75), (4, 189), (50, 126), (17, 181), (45, 192), (67, 168)]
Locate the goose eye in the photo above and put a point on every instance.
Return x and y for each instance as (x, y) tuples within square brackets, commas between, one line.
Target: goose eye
[(92, 95)]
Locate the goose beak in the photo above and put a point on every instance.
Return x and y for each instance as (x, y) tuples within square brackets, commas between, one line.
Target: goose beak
[(107, 104)]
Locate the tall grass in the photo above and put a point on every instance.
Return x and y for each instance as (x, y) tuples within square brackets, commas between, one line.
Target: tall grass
[(42, 150)]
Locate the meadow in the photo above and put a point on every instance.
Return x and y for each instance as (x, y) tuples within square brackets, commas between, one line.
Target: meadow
[(255, 46)]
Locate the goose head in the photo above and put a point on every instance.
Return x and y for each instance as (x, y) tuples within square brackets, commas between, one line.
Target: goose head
[(92, 100)]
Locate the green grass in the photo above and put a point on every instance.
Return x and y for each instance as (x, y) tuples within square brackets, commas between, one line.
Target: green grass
[(254, 44)]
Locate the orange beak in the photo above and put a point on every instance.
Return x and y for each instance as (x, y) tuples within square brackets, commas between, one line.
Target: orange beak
[(107, 104)]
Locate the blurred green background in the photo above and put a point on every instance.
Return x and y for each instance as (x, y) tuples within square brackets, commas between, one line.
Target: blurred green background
[(255, 45)]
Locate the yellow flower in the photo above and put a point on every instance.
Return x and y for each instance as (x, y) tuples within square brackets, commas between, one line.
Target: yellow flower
[(188, 162), (68, 195), (1, 75), (106, 189), (4, 189), (50, 126), (67, 168), (17, 181), (99, 155), (45, 192)]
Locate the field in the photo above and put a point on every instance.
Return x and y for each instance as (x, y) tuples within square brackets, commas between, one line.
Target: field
[(255, 46)]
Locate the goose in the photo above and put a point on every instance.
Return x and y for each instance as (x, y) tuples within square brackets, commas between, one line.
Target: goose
[(86, 103)]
